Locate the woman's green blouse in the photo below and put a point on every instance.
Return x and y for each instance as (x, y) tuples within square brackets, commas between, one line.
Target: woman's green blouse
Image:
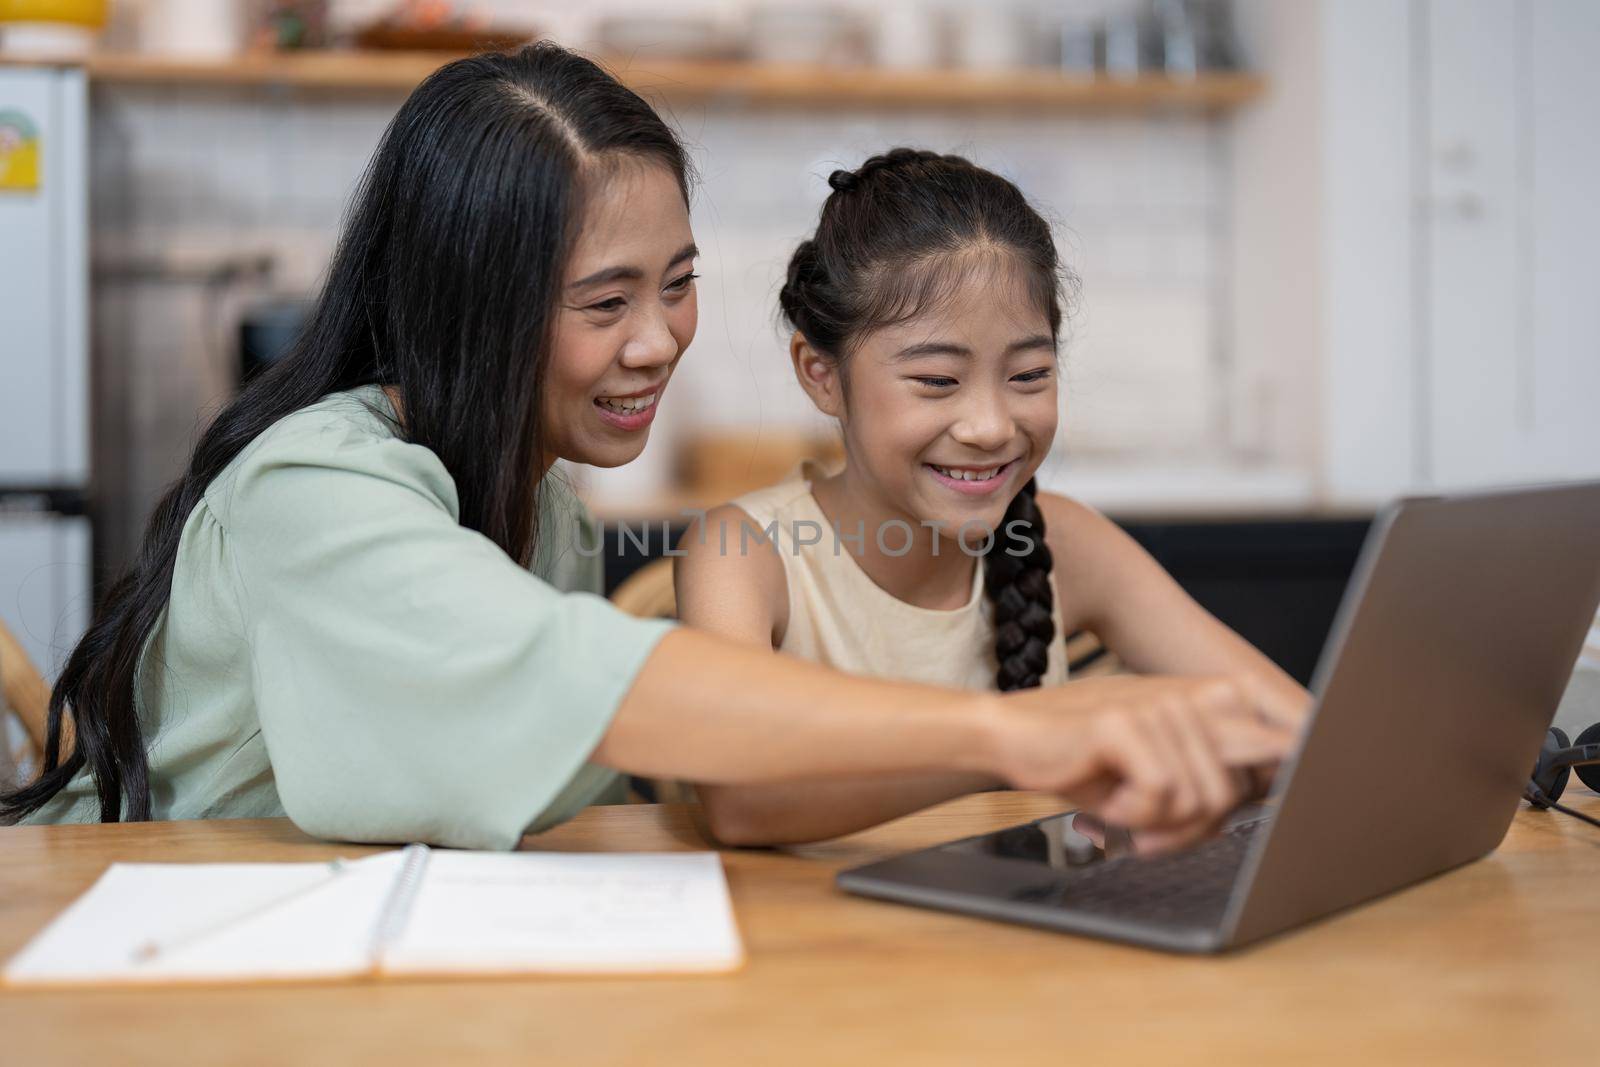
[(339, 649)]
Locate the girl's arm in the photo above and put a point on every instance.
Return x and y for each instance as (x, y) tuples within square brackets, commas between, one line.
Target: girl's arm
[(1110, 585)]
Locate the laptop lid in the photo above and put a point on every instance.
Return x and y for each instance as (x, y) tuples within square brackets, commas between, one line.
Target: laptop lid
[(1450, 653)]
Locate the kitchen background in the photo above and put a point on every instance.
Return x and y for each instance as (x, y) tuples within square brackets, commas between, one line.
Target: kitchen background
[(1331, 251)]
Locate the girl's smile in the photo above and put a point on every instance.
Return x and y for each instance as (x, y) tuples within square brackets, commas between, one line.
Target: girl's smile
[(974, 481)]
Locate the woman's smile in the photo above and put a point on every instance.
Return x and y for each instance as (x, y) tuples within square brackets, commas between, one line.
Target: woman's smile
[(630, 411)]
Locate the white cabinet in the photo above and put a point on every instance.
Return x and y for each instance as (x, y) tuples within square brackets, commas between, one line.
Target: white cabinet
[(1417, 236), (1510, 160)]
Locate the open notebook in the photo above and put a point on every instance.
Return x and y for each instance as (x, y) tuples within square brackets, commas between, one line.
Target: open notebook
[(411, 912)]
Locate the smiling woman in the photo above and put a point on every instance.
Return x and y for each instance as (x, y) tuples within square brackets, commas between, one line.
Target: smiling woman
[(626, 317), (361, 605), (344, 556)]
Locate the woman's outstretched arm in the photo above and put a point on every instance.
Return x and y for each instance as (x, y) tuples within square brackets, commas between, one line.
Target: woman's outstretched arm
[(1143, 753), (742, 596)]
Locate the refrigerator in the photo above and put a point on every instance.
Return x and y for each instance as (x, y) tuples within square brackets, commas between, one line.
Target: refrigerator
[(45, 562)]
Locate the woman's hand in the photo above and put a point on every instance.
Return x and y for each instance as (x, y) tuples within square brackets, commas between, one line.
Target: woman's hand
[(1169, 757)]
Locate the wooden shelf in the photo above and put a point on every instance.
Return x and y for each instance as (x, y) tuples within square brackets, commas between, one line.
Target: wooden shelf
[(721, 83)]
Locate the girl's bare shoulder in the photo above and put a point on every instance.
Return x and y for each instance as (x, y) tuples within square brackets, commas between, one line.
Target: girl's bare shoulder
[(1068, 522), (729, 576)]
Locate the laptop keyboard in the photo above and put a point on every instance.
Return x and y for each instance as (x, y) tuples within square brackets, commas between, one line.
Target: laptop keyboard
[(1188, 888)]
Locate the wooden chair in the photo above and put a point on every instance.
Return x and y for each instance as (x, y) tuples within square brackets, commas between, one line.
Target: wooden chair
[(26, 694), (1088, 657)]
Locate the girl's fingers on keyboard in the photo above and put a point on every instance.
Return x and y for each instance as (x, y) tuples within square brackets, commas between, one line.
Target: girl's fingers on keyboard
[(1155, 842)]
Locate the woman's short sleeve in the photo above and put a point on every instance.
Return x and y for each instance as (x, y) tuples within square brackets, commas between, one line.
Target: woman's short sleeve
[(413, 682)]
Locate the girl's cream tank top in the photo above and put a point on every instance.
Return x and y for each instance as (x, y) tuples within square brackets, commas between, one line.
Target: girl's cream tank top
[(841, 617)]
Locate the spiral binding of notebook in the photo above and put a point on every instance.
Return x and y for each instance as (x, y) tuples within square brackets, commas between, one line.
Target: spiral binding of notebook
[(397, 905)]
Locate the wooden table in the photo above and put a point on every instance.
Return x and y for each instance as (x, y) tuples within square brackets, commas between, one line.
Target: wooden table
[(1494, 963)]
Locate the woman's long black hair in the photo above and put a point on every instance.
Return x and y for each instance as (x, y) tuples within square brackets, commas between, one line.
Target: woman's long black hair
[(445, 285), (886, 248)]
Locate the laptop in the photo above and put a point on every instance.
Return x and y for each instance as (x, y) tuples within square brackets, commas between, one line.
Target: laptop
[(1446, 662)]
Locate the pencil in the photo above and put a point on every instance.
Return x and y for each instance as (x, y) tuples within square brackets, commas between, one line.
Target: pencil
[(155, 948)]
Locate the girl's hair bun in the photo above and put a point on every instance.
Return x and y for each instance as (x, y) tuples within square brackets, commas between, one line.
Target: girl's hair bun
[(843, 180)]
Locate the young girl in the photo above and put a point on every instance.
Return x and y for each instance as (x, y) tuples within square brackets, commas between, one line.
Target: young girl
[(926, 313), (359, 607)]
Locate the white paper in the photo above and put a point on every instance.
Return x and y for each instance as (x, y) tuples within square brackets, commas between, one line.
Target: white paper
[(569, 912), (324, 932)]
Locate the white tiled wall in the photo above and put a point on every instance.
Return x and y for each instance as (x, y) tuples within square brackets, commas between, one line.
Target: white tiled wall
[(185, 181)]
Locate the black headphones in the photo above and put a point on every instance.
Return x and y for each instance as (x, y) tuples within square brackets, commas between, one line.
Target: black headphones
[(1558, 758)]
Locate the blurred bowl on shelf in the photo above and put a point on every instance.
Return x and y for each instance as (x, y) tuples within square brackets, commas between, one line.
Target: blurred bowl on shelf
[(384, 37)]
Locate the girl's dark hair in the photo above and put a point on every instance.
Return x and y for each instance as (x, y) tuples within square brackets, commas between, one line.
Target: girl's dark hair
[(889, 246), (445, 284)]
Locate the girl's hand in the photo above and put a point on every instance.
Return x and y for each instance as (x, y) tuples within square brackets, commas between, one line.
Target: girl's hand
[(1115, 841), (1167, 756)]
